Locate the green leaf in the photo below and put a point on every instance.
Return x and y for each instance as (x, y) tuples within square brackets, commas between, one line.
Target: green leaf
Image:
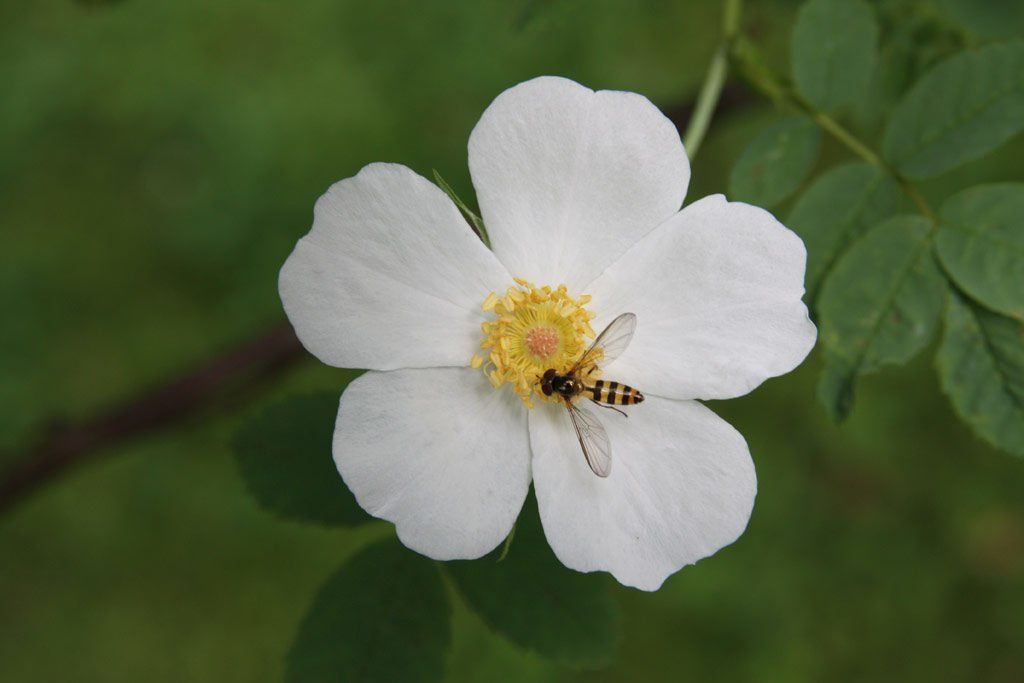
[(836, 387), (893, 74), (833, 51), (533, 600), (981, 245), (284, 456), (883, 300), (981, 367), (776, 162), (837, 209), (961, 109), (382, 617)]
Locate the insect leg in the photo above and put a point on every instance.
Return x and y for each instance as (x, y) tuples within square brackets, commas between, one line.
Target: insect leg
[(620, 412)]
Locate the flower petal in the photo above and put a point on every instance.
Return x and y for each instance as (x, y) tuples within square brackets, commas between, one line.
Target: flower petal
[(681, 487), (439, 453), (717, 292), (390, 275), (568, 178)]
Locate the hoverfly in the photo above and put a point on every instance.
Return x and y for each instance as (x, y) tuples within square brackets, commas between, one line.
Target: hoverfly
[(576, 382)]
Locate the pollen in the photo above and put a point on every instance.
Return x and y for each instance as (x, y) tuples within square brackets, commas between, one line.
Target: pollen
[(542, 341), (534, 329)]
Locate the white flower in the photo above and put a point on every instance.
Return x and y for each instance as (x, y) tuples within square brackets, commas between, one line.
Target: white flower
[(576, 188)]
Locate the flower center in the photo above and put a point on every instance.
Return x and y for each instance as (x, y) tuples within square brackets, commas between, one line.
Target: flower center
[(534, 329), (542, 341)]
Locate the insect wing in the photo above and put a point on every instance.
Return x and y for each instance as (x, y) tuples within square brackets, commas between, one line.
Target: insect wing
[(597, 449), (613, 340)]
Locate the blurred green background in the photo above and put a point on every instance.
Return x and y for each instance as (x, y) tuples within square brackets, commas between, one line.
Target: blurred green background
[(157, 161)]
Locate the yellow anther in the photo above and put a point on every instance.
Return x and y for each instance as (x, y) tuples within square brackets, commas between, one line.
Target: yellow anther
[(490, 302)]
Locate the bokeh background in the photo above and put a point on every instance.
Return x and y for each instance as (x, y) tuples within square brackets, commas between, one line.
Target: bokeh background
[(159, 158)]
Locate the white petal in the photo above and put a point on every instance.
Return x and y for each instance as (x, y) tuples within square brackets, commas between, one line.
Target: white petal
[(568, 178), (717, 293), (439, 453), (390, 275), (682, 486)]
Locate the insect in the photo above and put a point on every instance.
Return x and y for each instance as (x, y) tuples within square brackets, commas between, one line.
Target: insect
[(571, 385)]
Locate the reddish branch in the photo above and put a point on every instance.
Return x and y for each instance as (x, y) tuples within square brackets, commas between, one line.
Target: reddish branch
[(234, 374), (214, 382)]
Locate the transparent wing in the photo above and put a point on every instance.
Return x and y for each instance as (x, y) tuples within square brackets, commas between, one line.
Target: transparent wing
[(593, 439), (613, 340)]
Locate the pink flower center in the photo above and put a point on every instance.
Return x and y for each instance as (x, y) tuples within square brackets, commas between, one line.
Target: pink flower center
[(542, 341)]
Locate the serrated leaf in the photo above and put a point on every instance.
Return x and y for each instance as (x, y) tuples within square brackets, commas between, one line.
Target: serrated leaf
[(833, 51), (883, 300), (775, 164), (382, 617), (284, 456), (981, 368), (837, 209), (533, 600), (981, 245), (961, 109)]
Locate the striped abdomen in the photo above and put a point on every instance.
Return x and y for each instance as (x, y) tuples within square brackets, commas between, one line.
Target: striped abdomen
[(613, 393)]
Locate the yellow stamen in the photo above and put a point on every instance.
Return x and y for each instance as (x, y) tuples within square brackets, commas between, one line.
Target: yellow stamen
[(534, 329)]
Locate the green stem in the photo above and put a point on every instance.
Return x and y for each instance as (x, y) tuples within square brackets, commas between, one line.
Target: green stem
[(707, 100), (845, 137), (851, 142), (919, 201), (714, 80)]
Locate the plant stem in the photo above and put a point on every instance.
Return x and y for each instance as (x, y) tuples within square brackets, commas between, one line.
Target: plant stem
[(731, 18), (845, 137), (854, 144), (714, 80), (919, 201)]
